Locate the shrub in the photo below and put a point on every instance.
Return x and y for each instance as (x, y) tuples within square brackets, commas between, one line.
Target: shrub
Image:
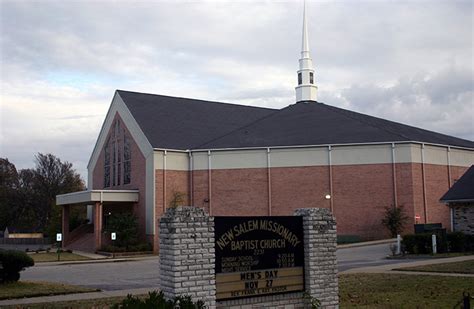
[(126, 227), (394, 219), (13, 262), (460, 242), (422, 243), (417, 243), (157, 300)]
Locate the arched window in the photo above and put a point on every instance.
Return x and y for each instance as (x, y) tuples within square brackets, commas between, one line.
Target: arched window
[(117, 157)]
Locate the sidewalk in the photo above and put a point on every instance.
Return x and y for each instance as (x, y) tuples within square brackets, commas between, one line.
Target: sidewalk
[(389, 268), (71, 297)]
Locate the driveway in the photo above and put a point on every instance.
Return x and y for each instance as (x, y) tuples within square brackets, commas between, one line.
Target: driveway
[(108, 276), (144, 273), (359, 257)]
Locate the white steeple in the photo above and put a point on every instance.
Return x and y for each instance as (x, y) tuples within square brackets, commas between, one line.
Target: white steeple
[(306, 89)]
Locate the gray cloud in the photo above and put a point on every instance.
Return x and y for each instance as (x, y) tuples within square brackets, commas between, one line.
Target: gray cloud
[(408, 61)]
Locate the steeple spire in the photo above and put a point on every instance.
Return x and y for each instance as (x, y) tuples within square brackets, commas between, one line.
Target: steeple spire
[(306, 89)]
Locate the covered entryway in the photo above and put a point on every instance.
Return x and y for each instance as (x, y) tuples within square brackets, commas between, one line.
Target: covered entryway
[(90, 237)]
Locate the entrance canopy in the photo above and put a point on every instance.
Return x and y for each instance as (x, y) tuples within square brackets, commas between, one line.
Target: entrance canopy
[(98, 196)]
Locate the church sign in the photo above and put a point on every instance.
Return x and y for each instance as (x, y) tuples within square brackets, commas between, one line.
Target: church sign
[(258, 256)]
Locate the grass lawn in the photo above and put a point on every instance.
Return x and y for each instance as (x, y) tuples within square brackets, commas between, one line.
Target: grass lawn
[(53, 257), (401, 291), (22, 289), (466, 267), (367, 291)]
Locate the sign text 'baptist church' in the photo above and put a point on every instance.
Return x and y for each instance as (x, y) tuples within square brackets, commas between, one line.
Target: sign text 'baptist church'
[(258, 256)]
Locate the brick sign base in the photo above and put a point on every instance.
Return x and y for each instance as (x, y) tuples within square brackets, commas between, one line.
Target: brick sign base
[(187, 260)]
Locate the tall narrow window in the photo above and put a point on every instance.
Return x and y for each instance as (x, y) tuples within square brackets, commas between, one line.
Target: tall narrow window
[(107, 164), (300, 79), (127, 156), (311, 77), (114, 162), (117, 157)]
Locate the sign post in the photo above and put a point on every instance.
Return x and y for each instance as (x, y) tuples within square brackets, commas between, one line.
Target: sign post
[(258, 256), (113, 237), (59, 239)]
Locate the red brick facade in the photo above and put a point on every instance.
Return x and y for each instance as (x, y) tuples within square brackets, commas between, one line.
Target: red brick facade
[(360, 193), (138, 181)]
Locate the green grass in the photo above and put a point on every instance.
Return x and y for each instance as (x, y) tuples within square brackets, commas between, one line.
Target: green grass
[(401, 291), (22, 289), (465, 267), (369, 291), (53, 257), (101, 303)]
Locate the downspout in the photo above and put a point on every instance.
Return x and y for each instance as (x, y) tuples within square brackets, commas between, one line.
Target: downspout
[(164, 181), (191, 183), (394, 173), (425, 208), (331, 203), (269, 181), (209, 168), (451, 209)]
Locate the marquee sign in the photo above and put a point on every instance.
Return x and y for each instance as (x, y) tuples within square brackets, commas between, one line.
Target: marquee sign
[(258, 256)]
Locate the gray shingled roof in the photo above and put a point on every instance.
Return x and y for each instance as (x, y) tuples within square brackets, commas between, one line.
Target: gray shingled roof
[(317, 123), (462, 190), (179, 123)]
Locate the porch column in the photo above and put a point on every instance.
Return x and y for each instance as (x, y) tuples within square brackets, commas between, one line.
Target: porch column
[(98, 225), (65, 225)]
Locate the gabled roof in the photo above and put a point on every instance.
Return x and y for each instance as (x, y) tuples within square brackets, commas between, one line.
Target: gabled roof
[(462, 190), (180, 123), (317, 123)]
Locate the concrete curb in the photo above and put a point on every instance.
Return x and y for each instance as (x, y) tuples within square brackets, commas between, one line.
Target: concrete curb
[(389, 268), (368, 243)]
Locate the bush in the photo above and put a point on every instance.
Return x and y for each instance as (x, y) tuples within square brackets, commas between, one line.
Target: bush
[(126, 227), (417, 243), (13, 262), (394, 219), (452, 242), (157, 300), (460, 242)]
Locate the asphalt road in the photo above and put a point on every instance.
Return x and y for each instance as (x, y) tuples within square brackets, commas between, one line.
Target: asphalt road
[(358, 257), (144, 273), (105, 276)]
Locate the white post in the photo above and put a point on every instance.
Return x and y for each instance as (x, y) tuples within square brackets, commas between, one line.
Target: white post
[(399, 244), (433, 243)]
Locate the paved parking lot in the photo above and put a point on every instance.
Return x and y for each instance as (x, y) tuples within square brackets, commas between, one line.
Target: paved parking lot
[(143, 273)]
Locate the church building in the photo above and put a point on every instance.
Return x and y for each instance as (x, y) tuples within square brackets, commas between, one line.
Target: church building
[(235, 160)]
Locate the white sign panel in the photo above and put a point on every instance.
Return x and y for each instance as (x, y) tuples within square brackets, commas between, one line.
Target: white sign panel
[(113, 236), (59, 237)]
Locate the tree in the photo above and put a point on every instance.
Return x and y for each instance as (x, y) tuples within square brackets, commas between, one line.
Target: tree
[(394, 220), (8, 188), (52, 177), (28, 197)]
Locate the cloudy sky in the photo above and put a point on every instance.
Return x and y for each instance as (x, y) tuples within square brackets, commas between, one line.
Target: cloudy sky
[(61, 61)]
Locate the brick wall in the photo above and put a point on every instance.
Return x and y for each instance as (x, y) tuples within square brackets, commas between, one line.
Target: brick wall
[(463, 217), (137, 181)]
